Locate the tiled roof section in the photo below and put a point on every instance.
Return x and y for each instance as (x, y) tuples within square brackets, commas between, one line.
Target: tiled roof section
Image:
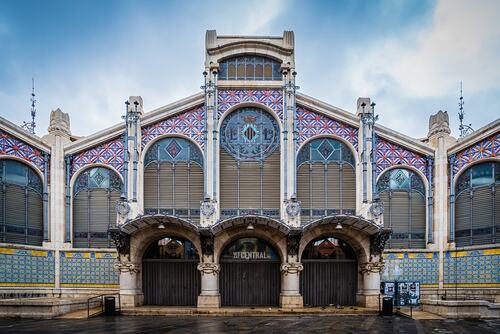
[(189, 123), (486, 148), (12, 146), (310, 124), (109, 153), (389, 154), (272, 98)]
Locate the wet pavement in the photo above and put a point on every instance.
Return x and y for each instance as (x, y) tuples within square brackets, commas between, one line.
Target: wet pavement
[(284, 324)]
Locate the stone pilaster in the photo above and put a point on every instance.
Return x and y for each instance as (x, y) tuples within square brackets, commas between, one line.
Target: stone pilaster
[(209, 296), (290, 296)]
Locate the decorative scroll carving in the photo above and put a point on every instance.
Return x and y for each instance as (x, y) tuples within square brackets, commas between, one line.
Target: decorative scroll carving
[(207, 242), (378, 241), (121, 241), (293, 241), (371, 267), (131, 268), (208, 268), (291, 268)]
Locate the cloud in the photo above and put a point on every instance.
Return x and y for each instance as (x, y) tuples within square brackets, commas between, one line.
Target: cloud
[(462, 43)]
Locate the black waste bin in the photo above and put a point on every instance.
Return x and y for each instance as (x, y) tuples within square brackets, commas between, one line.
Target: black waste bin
[(109, 305), (387, 306)]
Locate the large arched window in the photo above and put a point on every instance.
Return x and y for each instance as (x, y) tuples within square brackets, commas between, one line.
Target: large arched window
[(403, 193), (249, 163), (326, 179), (95, 194), (173, 178), (249, 68), (477, 205), (21, 204)]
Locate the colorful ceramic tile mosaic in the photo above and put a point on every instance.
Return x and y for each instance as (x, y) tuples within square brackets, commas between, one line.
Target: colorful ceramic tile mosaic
[(487, 148), (24, 267), (109, 153), (272, 98), (422, 267), (310, 124), (10, 145), (389, 154), (189, 123), (88, 269), (480, 268)]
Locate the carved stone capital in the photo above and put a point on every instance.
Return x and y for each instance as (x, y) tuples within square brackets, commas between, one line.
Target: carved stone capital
[(131, 268), (209, 268), (207, 242), (291, 268), (121, 241), (293, 242), (378, 241), (371, 267)]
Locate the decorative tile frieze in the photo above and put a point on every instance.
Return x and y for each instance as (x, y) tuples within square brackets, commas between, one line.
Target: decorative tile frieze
[(413, 266), (472, 268), (486, 148), (310, 124), (389, 154), (12, 146), (26, 267), (88, 269), (271, 98), (109, 153), (189, 124)]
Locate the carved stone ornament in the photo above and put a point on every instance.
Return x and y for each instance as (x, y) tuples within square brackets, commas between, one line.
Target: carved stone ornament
[(293, 208), (131, 268), (59, 122), (377, 208), (293, 241), (207, 208), (208, 268), (378, 241), (122, 208), (121, 241), (291, 268), (207, 242), (371, 267), (439, 123)]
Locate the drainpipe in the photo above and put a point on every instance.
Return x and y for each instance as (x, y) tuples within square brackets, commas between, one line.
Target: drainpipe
[(452, 199), (45, 196), (68, 160), (430, 224)]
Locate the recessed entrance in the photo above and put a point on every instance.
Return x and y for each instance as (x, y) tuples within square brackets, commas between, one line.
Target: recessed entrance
[(330, 273), (170, 274), (250, 274)]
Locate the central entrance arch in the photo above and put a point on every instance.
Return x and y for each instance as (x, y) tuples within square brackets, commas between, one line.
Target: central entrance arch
[(170, 274), (250, 273), (330, 273)]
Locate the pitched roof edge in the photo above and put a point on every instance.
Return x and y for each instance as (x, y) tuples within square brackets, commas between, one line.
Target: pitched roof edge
[(478, 135), (24, 135)]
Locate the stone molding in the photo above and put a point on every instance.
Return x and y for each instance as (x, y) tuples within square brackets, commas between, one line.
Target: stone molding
[(209, 268), (131, 268), (371, 267), (291, 268)]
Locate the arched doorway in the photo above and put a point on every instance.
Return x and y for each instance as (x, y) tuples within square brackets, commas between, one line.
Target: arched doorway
[(250, 274), (170, 274), (330, 273)]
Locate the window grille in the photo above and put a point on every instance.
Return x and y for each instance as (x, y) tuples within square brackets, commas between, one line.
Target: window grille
[(173, 179), (21, 204), (249, 68), (477, 205), (403, 193), (250, 164), (95, 194), (326, 179)]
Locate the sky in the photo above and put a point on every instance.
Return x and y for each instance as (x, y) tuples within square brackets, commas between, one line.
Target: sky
[(408, 56)]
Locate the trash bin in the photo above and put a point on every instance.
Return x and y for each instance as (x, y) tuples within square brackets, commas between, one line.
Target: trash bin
[(387, 306), (109, 305)]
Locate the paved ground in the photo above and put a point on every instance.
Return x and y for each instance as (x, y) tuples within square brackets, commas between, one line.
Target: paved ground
[(284, 324)]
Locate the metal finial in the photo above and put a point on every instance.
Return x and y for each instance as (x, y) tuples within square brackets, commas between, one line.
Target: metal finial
[(464, 129), (30, 126)]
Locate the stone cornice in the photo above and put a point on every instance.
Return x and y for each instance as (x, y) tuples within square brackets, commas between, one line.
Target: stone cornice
[(23, 135), (478, 135), (403, 140)]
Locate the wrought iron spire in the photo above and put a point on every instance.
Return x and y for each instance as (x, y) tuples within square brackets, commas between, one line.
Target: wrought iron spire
[(30, 126), (463, 128)]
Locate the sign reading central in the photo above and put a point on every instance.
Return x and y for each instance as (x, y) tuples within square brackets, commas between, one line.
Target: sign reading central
[(250, 249)]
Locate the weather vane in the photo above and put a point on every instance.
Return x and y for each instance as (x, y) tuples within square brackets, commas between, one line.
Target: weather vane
[(30, 126), (463, 128)]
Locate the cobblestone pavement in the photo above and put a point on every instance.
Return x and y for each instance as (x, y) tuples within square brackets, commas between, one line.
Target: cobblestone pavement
[(288, 324)]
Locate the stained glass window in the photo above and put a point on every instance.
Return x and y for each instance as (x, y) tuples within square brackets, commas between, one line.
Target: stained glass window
[(250, 134), (325, 150), (174, 150), (249, 68), (97, 178)]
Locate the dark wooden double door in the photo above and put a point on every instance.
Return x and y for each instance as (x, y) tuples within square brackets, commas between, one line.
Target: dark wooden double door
[(170, 282), (325, 282), (250, 283)]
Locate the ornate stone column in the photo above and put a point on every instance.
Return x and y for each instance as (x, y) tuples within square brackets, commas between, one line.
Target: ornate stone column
[(209, 271), (290, 296), (371, 282), (130, 280)]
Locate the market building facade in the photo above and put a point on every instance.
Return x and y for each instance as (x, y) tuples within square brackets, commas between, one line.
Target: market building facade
[(249, 194)]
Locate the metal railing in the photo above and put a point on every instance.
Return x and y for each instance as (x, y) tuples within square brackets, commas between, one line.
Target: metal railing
[(101, 299)]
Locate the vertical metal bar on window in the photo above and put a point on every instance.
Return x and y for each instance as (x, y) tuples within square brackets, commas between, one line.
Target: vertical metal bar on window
[(67, 161), (471, 196), (4, 199), (173, 188), (26, 211), (109, 216), (88, 217), (341, 185), (310, 190), (410, 220), (45, 196), (238, 185), (493, 190), (261, 166), (452, 199), (390, 215), (430, 223), (189, 189), (215, 156), (325, 187), (158, 168)]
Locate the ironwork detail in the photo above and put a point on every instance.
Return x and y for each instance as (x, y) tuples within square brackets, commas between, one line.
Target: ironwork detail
[(121, 241), (378, 241)]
